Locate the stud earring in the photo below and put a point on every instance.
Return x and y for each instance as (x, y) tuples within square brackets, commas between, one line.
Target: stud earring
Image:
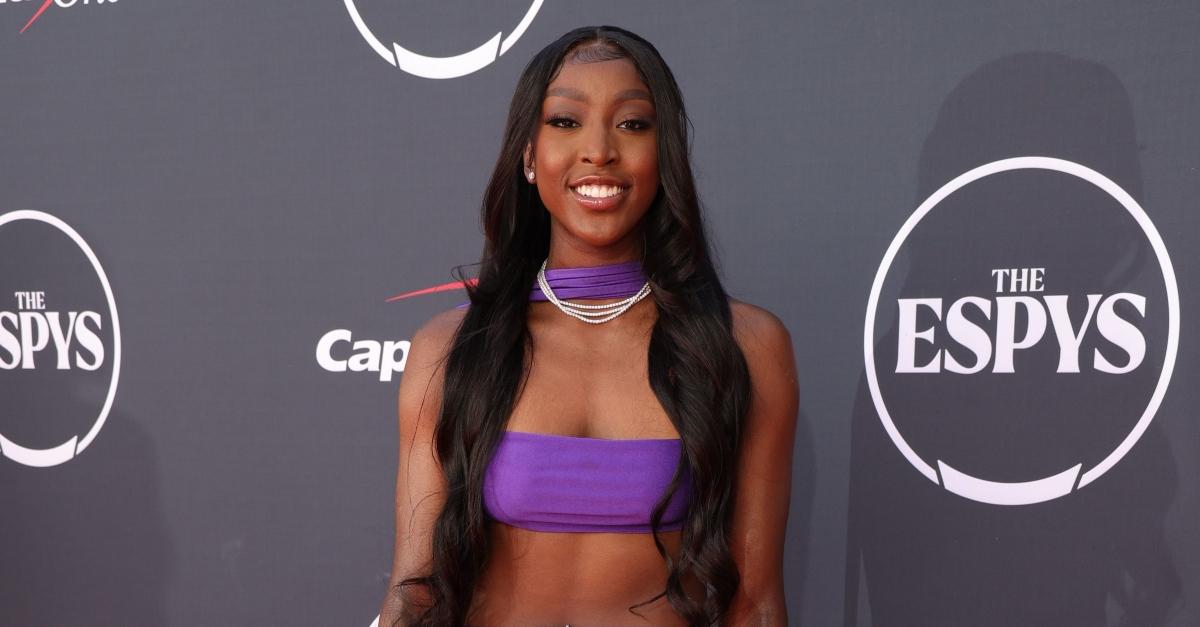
[(531, 176)]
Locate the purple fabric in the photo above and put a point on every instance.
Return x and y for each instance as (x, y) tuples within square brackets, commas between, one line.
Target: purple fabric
[(562, 483), (617, 280)]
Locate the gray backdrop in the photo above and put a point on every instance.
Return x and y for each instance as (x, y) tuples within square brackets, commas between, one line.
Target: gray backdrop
[(254, 175)]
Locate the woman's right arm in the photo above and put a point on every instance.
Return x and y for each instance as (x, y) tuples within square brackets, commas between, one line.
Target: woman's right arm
[(419, 481)]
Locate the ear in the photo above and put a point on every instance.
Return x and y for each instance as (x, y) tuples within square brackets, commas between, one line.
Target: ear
[(528, 159)]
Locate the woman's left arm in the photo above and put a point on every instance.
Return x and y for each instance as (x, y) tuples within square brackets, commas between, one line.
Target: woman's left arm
[(764, 473)]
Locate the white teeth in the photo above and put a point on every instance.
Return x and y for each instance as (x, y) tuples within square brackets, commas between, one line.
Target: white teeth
[(598, 191)]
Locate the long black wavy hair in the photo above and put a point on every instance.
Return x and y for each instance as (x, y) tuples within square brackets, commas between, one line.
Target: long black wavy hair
[(696, 369)]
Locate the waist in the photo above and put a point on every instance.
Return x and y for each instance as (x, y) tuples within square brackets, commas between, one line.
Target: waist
[(579, 578)]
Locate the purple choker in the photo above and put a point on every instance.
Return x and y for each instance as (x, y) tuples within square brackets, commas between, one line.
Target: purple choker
[(616, 280)]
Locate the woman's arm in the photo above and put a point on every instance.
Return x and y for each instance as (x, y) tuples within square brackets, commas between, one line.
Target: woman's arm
[(764, 475), (419, 481)]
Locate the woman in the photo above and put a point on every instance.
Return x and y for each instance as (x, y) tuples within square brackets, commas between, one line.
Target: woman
[(580, 464)]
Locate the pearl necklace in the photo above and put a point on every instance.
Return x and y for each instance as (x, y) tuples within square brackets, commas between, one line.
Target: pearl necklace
[(592, 314)]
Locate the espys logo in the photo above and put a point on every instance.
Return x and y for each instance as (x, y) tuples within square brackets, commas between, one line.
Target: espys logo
[(42, 5), (443, 67), (1033, 335), (60, 340)]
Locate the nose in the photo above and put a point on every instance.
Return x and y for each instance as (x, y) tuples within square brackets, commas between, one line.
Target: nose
[(598, 146)]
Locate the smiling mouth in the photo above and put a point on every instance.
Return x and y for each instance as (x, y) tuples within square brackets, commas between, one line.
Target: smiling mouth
[(598, 191), (599, 196)]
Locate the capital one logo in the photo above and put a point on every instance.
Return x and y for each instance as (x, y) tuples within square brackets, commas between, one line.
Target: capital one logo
[(443, 67), (60, 340), (338, 351), (1030, 341)]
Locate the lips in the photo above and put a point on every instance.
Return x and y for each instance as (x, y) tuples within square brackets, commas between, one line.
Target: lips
[(599, 192)]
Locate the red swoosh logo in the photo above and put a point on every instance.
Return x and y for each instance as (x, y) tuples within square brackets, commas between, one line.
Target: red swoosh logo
[(444, 287), (40, 11)]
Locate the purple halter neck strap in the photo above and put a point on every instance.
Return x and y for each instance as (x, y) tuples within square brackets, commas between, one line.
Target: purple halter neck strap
[(616, 280)]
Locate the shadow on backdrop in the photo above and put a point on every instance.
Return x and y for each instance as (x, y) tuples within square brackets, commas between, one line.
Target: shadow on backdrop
[(918, 555), (85, 542)]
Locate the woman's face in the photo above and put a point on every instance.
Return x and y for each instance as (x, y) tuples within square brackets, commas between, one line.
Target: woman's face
[(595, 160)]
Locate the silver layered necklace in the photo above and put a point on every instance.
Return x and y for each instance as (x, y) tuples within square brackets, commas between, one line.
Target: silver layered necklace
[(592, 314)]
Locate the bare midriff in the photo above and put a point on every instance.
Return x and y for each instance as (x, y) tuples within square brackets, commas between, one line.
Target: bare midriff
[(540, 578)]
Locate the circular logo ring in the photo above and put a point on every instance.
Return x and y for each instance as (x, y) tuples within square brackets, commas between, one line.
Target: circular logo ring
[(66, 451), (1054, 486), (443, 67)]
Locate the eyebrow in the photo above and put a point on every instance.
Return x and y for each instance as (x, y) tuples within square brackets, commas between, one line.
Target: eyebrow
[(575, 94)]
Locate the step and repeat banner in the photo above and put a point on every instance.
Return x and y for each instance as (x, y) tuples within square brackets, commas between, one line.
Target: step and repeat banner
[(221, 223)]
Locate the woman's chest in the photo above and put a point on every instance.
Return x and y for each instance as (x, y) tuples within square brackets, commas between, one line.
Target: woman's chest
[(593, 389)]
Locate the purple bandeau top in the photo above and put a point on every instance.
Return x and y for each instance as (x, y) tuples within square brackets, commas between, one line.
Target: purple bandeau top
[(562, 483)]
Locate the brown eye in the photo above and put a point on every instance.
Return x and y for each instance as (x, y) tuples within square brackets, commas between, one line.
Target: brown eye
[(636, 124), (560, 122)]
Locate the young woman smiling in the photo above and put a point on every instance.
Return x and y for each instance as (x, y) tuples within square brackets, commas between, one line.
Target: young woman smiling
[(564, 462)]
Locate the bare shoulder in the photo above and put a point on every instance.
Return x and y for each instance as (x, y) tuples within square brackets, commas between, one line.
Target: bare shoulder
[(420, 392), (431, 342), (761, 335), (767, 347)]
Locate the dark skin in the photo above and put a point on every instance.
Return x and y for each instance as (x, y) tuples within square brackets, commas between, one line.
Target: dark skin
[(590, 381)]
